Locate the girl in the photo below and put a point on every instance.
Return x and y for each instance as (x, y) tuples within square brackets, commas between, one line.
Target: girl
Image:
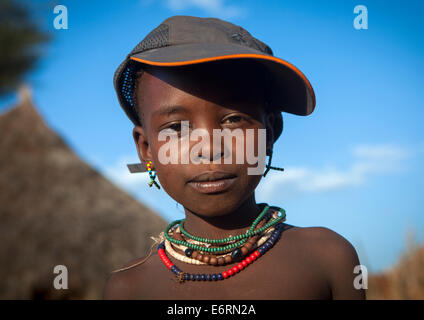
[(196, 73)]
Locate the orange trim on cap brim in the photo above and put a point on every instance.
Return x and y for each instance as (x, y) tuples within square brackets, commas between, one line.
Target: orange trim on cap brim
[(232, 56)]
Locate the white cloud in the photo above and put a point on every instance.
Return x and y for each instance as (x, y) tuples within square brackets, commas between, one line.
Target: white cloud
[(368, 161), (217, 8), (390, 151)]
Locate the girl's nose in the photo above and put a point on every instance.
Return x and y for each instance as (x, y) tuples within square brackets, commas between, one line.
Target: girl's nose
[(211, 148), (209, 145)]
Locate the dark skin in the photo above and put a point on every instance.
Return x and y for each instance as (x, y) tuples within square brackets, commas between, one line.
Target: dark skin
[(306, 263)]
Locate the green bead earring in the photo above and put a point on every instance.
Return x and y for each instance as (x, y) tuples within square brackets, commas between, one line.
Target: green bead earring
[(152, 175)]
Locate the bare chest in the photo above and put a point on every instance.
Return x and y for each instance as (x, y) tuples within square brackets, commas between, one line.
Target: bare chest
[(272, 277)]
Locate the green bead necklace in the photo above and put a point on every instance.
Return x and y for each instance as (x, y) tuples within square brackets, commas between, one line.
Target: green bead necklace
[(199, 247), (248, 234), (243, 237)]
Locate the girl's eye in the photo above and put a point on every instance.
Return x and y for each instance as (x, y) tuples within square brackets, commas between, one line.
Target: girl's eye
[(233, 119), (177, 127)]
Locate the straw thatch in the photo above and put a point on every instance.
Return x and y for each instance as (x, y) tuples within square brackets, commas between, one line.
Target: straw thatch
[(403, 281), (57, 210)]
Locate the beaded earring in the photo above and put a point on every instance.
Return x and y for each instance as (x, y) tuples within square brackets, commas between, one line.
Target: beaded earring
[(152, 175), (268, 166)]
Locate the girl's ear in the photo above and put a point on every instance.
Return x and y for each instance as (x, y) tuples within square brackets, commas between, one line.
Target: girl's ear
[(269, 125), (142, 144)]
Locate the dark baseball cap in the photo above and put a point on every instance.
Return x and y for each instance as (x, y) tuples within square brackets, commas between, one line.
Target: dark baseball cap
[(187, 40)]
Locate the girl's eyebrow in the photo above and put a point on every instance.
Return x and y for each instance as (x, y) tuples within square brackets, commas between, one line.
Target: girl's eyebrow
[(167, 110)]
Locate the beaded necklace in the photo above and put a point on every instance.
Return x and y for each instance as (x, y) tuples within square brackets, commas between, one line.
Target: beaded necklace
[(204, 259), (270, 232), (183, 276), (231, 240), (232, 255)]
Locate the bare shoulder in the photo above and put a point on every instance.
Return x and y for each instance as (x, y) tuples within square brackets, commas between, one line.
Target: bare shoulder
[(332, 254), (125, 283), (321, 234), (326, 245)]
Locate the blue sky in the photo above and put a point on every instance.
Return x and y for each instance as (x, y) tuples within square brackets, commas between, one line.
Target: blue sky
[(355, 165)]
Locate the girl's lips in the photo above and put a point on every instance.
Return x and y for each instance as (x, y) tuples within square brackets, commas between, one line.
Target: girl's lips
[(212, 186)]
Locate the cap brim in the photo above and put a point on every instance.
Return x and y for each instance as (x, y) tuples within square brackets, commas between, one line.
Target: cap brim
[(290, 90)]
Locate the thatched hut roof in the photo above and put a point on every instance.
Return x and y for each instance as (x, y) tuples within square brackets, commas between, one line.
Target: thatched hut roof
[(57, 210)]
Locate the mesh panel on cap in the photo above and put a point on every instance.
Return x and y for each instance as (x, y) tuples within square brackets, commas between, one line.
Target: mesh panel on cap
[(158, 37)]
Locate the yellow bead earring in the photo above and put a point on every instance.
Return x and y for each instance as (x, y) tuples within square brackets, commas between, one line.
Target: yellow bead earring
[(152, 175)]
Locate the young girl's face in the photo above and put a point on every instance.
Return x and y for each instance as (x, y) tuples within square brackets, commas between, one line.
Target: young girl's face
[(210, 100)]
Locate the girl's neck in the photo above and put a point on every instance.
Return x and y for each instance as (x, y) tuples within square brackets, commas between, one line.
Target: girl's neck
[(234, 223)]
